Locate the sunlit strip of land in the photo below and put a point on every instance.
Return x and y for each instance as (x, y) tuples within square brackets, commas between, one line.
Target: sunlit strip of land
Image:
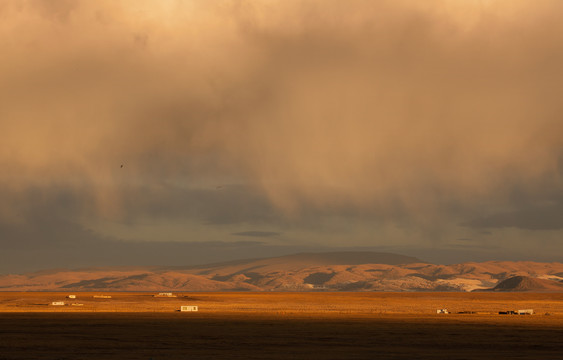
[(285, 303)]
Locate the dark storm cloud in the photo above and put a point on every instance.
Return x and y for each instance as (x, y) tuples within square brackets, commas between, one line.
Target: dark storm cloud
[(371, 103), (106, 252), (234, 204), (52, 215), (257, 233), (472, 246), (547, 217), (42, 217), (408, 115)]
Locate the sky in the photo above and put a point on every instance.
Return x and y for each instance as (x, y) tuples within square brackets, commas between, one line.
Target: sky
[(145, 132)]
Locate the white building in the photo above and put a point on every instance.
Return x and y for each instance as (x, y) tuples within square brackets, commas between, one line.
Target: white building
[(58, 303), (188, 308), (525, 312), (71, 297), (165, 294)]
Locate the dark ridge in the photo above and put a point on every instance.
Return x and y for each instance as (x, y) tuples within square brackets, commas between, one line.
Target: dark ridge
[(525, 283), (318, 278), (315, 259), (47, 272), (497, 276), (213, 265), (351, 258), (91, 284)]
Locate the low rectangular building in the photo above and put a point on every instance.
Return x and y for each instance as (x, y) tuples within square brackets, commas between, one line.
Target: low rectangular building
[(525, 312), (517, 312), (58, 303), (165, 294), (188, 308)]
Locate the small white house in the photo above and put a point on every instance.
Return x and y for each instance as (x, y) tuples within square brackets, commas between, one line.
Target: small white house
[(525, 312), (58, 303), (442, 311), (188, 308), (165, 294), (71, 297)]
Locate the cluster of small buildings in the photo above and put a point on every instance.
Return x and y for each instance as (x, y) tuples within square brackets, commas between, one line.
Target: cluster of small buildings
[(507, 312), (62, 303), (517, 312), (183, 308), (165, 294)]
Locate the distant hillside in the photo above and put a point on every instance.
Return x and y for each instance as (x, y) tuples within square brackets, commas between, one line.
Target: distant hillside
[(305, 260), (525, 283), (346, 258), (337, 271)]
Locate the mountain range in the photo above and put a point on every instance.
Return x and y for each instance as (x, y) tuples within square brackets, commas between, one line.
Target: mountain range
[(336, 271)]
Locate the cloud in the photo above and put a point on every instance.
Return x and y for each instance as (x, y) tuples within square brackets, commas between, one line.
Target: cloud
[(547, 217), (257, 233), (413, 116), (106, 252)]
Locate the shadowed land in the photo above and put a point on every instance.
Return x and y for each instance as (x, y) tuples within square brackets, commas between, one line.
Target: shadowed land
[(262, 336)]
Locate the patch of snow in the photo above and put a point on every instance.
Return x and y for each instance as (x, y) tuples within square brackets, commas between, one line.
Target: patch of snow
[(551, 277), (463, 284)]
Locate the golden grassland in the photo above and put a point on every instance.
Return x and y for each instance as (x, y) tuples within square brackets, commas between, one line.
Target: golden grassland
[(258, 325), (361, 303)]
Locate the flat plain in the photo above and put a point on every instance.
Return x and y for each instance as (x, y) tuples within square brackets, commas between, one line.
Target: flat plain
[(278, 325)]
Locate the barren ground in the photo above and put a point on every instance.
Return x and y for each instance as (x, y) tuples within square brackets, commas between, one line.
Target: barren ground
[(281, 326)]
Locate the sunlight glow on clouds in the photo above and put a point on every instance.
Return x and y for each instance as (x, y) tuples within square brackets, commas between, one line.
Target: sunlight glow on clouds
[(407, 115)]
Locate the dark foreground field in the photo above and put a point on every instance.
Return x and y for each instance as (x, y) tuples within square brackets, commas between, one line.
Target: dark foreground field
[(252, 336), (265, 325)]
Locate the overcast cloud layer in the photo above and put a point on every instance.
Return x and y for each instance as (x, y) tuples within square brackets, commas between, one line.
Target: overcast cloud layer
[(405, 124)]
